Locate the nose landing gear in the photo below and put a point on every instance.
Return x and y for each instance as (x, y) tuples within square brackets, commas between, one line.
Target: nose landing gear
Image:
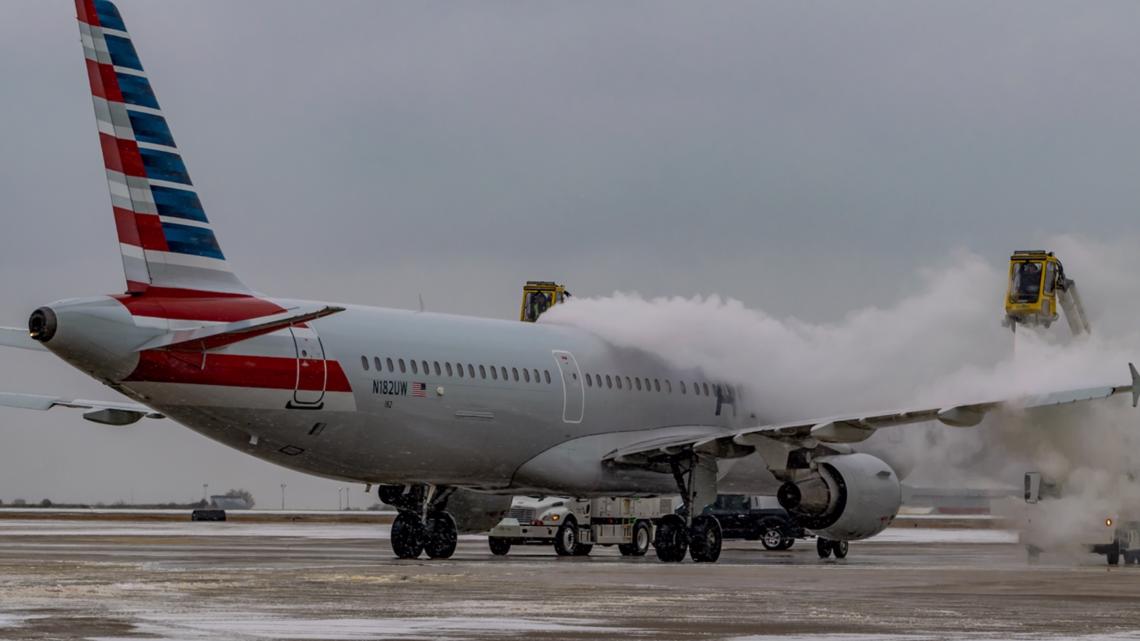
[(422, 525)]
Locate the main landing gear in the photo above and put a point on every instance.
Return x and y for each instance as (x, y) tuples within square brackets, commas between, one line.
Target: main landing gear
[(700, 536), (422, 525), (827, 547)]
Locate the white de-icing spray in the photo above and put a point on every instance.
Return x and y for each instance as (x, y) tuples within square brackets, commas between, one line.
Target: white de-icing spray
[(941, 344)]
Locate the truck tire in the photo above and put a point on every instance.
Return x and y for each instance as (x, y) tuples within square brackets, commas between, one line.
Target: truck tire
[(786, 544), (1114, 556), (583, 549), (499, 546), (566, 538), (770, 531), (639, 546)]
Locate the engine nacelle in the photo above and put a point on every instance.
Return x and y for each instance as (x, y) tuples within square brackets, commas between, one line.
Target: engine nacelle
[(847, 498)]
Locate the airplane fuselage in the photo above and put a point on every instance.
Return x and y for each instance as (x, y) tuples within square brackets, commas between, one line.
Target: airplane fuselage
[(392, 396)]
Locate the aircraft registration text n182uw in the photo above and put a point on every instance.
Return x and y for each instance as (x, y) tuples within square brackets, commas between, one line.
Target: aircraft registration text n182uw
[(448, 415)]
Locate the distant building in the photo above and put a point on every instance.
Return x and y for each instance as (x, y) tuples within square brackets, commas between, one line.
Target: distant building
[(229, 503)]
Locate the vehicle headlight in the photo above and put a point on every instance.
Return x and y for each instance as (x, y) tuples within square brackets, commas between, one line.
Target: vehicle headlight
[(1108, 522)]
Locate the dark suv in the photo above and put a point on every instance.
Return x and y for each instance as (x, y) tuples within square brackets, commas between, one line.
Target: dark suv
[(756, 518)]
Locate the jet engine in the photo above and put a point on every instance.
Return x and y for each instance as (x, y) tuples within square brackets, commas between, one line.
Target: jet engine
[(846, 498)]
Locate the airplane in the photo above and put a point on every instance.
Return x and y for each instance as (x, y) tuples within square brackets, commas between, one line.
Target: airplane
[(447, 415)]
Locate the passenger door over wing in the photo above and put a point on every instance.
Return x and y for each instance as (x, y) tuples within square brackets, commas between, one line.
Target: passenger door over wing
[(311, 367), (574, 395)]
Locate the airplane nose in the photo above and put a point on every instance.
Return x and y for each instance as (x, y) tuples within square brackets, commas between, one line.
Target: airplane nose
[(42, 324)]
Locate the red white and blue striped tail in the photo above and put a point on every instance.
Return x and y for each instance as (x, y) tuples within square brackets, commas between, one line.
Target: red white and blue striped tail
[(165, 238)]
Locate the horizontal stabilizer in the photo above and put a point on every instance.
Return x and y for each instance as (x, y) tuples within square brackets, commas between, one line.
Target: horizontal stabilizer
[(105, 412), (17, 337), (212, 336)]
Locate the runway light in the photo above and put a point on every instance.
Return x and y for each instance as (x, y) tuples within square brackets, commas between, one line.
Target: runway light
[(1108, 522)]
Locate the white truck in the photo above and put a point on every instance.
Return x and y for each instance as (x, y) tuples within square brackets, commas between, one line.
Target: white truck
[(1112, 535), (575, 526)]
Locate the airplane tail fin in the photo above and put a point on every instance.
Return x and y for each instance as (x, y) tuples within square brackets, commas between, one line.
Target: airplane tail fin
[(164, 235)]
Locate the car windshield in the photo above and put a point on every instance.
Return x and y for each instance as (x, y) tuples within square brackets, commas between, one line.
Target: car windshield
[(1026, 282)]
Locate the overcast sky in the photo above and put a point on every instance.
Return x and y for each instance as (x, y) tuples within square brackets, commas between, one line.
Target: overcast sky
[(806, 158)]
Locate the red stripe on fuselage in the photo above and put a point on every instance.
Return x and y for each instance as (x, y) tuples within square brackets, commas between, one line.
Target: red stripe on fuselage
[(233, 370)]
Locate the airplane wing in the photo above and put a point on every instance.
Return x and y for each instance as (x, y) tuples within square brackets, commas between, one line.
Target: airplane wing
[(853, 428), (105, 412)]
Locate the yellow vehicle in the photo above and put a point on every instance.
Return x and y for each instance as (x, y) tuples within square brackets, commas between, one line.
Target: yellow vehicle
[(539, 296), (1038, 291)]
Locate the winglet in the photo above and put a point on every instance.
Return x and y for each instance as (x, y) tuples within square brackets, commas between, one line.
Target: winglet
[(1135, 384)]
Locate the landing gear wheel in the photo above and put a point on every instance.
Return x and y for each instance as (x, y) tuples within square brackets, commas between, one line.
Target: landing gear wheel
[(771, 534), (840, 549), (441, 536), (499, 547), (407, 536), (705, 539), (566, 538), (640, 543), (823, 547), (672, 540)]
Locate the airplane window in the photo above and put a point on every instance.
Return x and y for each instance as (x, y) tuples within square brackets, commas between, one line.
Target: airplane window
[(415, 368), (514, 372), (647, 384), (628, 384), (547, 373), (425, 367), (379, 364), (618, 381), (390, 368), (470, 370), (482, 372), (364, 362), (668, 386), (448, 366), (536, 378), (638, 381), (494, 373), (683, 387), (437, 372), (656, 385), (459, 367), (526, 374), (402, 368), (706, 388), (589, 381), (574, 375)]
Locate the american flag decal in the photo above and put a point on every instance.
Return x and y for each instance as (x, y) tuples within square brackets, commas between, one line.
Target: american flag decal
[(419, 389)]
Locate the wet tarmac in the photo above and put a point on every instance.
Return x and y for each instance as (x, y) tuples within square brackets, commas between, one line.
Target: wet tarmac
[(151, 581)]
